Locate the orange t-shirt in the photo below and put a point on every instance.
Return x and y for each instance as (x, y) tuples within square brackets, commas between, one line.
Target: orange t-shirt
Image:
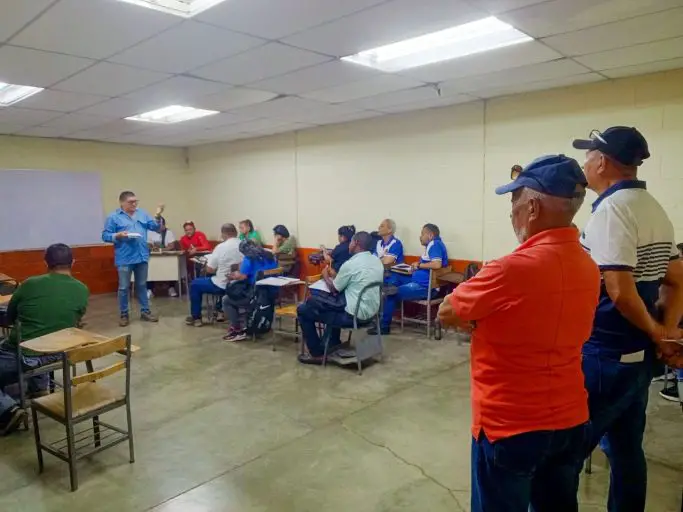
[(533, 311)]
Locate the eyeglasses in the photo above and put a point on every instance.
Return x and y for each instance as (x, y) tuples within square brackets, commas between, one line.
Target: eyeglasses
[(597, 135), (515, 172)]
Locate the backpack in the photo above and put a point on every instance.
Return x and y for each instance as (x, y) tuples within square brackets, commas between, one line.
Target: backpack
[(261, 310)]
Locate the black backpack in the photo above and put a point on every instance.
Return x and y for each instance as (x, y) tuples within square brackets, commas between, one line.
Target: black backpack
[(261, 310)]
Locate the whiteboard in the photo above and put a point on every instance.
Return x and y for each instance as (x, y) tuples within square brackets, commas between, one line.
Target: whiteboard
[(39, 208)]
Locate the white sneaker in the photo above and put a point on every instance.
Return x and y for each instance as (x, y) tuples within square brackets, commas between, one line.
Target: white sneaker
[(149, 294), (172, 292)]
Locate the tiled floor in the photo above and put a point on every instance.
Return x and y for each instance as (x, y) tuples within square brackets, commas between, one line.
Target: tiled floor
[(240, 428)]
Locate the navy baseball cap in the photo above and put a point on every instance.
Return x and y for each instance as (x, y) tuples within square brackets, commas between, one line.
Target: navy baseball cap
[(624, 144), (555, 175)]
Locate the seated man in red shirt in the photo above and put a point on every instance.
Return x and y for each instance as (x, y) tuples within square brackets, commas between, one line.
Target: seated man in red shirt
[(193, 241), (532, 310)]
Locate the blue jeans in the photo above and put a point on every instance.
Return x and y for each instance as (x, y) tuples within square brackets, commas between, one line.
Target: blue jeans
[(8, 374), (125, 272), (617, 399), (407, 290), (198, 288), (531, 471), (335, 320)]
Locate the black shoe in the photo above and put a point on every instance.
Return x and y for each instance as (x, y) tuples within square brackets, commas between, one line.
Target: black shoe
[(372, 331), (11, 419), (309, 359), (670, 393)]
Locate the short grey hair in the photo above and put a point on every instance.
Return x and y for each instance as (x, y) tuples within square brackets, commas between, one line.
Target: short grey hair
[(568, 205), (392, 225)]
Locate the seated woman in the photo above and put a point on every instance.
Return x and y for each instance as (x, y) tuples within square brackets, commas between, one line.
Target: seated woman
[(247, 232), (340, 254), (284, 248), (239, 291), (164, 240)]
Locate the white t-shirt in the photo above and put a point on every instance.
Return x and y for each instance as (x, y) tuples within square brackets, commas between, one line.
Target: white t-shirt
[(225, 255), (155, 238)]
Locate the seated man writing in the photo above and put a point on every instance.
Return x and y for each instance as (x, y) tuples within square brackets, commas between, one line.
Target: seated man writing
[(219, 262), (42, 304), (359, 271), (389, 249), (416, 285)]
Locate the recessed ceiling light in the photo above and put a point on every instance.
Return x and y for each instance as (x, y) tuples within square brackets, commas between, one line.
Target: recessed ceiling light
[(172, 114), (475, 37), (10, 93), (184, 8)]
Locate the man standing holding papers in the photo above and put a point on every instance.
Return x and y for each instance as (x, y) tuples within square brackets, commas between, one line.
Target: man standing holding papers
[(127, 229)]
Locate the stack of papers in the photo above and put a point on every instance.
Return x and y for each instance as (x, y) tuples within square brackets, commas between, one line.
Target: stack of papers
[(134, 235), (278, 281), (402, 267), (320, 286)]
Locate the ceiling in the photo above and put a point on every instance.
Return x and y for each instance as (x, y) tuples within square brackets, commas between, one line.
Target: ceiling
[(272, 66)]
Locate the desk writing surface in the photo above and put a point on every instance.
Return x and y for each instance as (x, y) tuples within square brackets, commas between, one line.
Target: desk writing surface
[(452, 277), (4, 278), (4, 299), (63, 340)]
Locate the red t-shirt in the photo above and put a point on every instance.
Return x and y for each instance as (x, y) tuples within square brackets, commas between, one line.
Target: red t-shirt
[(198, 240), (533, 310)]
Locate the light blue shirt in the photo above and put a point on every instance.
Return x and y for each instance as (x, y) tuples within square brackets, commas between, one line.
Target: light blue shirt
[(129, 251), (360, 270)]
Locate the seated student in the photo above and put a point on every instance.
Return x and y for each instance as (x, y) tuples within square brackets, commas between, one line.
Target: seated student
[(355, 274), (284, 248), (165, 241), (43, 304), (416, 285), (193, 241), (341, 253), (240, 288), (247, 232), (389, 249), (219, 262)]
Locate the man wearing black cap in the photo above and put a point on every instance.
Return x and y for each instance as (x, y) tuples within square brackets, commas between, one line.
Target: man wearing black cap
[(533, 310), (631, 239)]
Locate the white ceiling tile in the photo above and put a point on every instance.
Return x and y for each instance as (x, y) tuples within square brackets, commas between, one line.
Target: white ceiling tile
[(45, 131), (25, 116), (177, 90), (317, 77), (424, 93), (295, 110), (93, 28), (560, 16), (274, 20), (488, 62), (385, 23), (185, 47), (17, 13), (263, 62), (61, 101), (363, 88), (494, 92), (233, 98), (118, 107), (642, 69), (77, 121), (498, 6), (33, 67), (511, 77), (443, 101), (255, 125), (8, 128), (110, 79), (633, 55), (643, 29), (340, 117), (110, 129)]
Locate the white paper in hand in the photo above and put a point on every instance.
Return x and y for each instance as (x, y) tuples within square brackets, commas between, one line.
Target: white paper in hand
[(134, 235)]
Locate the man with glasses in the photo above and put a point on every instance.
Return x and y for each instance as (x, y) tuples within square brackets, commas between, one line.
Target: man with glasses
[(631, 239), (127, 229)]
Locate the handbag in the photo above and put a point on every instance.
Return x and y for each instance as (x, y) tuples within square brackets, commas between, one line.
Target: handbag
[(321, 300)]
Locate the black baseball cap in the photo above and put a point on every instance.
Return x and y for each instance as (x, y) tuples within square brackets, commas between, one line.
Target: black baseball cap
[(555, 175), (625, 144)]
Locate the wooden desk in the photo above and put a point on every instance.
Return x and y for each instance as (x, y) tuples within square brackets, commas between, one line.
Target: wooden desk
[(65, 340), (167, 266), (4, 300), (4, 278), (452, 278)]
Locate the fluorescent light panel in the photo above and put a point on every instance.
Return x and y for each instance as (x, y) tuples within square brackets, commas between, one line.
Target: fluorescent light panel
[(183, 8), (11, 94), (172, 114), (475, 37)]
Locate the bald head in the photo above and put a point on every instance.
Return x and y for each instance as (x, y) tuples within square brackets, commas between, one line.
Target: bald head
[(228, 230)]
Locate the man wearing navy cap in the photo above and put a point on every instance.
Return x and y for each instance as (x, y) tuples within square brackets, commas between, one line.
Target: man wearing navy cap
[(631, 239), (533, 311)]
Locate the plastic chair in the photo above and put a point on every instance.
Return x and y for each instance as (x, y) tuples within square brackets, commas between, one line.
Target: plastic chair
[(432, 300)]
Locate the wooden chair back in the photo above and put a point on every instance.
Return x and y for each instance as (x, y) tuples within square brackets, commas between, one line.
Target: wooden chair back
[(435, 274), (273, 272), (89, 353)]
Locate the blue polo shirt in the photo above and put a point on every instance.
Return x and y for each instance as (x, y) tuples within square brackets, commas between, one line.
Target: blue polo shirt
[(393, 247), (627, 231), (251, 267), (435, 250), (129, 251)]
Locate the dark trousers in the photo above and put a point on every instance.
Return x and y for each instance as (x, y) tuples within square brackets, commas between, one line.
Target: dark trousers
[(617, 399), (532, 471), (198, 288), (231, 306), (334, 319)]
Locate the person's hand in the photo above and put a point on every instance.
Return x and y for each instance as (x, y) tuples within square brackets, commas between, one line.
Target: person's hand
[(121, 234), (160, 209), (670, 353), (416, 265), (192, 251), (326, 272), (446, 315), (327, 257)]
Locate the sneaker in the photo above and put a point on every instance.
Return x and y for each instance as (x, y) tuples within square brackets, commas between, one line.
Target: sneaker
[(372, 331), (220, 317), (124, 321), (194, 322), (669, 375), (148, 317), (670, 393), (309, 359), (150, 294), (11, 419), (235, 335), (172, 292)]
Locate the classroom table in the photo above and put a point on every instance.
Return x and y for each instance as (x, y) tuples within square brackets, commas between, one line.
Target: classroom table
[(65, 340), (451, 278), (168, 266), (4, 278)]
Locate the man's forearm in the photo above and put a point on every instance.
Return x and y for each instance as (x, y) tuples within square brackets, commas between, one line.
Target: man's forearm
[(633, 309), (673, 306)]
